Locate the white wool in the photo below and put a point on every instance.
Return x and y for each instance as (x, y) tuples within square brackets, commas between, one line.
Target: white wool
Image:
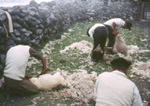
[(133, 49), (83, 46), (144, 51), (141, 68), (119, 46), (48, 81), (81, 86)]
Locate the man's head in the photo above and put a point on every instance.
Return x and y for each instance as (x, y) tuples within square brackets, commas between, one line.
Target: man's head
[(127, 25), (88, 32), (120, 64)]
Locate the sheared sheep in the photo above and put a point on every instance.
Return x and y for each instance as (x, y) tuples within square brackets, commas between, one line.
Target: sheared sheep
[(119, 46), (48, 81)]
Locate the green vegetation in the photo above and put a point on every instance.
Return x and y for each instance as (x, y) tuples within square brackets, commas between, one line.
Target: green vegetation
[(73, 59)]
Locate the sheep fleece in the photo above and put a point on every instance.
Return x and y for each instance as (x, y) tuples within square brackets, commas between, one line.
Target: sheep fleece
[(119, 46), (48, 81)]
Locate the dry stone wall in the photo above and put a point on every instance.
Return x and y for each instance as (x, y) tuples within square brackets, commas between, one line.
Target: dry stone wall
[(37, 23)]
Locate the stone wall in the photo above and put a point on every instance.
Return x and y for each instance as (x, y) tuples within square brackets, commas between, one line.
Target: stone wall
[(37, 23)]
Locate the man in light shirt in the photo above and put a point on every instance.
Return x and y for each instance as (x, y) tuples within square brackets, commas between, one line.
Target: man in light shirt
[(99, 33), (16, 80), (115, 89), (113, 25)]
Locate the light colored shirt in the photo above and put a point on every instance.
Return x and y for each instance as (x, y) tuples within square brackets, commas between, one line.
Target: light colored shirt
[(91, 30), (16, 62), (119, 22), (115, 89)]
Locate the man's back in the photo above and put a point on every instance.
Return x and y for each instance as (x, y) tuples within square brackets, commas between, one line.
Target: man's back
[(16, 62), (114, 89)]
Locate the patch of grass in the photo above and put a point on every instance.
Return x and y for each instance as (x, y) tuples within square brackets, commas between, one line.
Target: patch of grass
[(76, 33), (73, 59)]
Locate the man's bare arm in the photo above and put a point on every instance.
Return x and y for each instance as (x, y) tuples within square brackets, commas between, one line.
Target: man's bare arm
[(115, 32), (39, 56)]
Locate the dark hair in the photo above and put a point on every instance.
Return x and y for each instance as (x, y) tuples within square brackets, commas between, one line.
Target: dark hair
[(88, 31), (120, 64), (128, 25)]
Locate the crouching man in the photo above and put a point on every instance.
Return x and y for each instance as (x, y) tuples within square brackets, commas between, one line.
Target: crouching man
[(16, 81), (115, 89)]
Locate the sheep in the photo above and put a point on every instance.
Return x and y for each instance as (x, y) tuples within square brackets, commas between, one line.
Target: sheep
[(48, 81), (119, 46)]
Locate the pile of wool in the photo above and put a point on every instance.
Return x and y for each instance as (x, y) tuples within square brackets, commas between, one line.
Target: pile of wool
[(83, 46), (81, 86), (144, 51), (48, 81), (132, 49), (141, 68)]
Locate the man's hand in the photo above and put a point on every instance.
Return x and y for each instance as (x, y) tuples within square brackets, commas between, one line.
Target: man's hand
[(115, 32), (105, 47), (45, 71), (28, 76)]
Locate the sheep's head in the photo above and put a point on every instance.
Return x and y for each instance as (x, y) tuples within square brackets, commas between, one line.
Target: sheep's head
[(61, 79)]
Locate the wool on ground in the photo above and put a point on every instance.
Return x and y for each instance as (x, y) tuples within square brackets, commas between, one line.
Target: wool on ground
[(81, 86), (83, 46), (132, 49), (141, 68)]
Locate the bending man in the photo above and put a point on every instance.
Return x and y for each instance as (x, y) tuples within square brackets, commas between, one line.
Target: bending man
[(99, 34), (113, 25)]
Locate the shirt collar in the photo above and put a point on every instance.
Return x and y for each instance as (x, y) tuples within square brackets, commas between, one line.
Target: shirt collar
[(120, 73)]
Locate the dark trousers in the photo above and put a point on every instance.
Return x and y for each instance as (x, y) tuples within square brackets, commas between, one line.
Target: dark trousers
[(19, 88), (100, 37), (111, 37)]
